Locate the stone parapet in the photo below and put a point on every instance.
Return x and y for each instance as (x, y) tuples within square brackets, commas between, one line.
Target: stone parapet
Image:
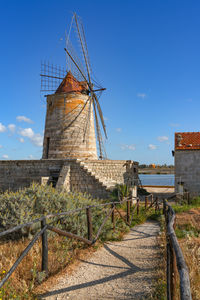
[(95, 177)]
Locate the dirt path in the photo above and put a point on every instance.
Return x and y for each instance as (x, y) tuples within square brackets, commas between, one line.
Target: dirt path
[(118, 270)]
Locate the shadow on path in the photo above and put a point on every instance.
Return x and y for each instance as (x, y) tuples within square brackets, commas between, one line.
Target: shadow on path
[(130, 269)]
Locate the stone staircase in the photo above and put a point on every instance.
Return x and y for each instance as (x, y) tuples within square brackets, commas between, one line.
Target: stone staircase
[(107, 184)]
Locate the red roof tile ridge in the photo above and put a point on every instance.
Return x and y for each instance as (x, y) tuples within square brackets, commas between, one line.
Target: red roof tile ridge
[(187, 132)]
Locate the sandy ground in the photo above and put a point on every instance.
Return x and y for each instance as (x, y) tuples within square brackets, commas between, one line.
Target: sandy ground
[(118, 270)]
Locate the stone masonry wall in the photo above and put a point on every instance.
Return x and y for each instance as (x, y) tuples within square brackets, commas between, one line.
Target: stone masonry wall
[(16, 174), (82, 181), (69, 127), (110, 170), (93, 177), (187, 170)]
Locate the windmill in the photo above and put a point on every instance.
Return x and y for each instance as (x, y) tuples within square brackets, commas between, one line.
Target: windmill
[(78, 79)]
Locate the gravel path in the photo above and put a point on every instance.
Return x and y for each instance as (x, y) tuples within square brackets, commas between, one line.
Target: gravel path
[(118, 270)]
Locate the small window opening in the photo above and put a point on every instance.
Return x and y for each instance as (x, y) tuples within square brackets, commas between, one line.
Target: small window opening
[(47, 147)]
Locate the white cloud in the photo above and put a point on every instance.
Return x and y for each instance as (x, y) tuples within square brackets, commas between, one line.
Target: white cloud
[(1, 146), (23, 119), (5, 156), (27, 132), (118, 129), (35, 138), (141, 95), (21, 140), (105, 118), (30, 156), (2, 127), (127, 147), (174, 124), (163, 138), (12, 128), (152, 147)]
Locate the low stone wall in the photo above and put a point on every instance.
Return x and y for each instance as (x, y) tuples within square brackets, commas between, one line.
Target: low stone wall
[(92, 177), (16, 174)]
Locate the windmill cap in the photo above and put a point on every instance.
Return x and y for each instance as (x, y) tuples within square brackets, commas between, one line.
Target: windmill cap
[(71, 84)]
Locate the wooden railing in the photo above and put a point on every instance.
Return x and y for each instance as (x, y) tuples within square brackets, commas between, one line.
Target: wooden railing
[(174, 253), (175, 259), (89, 240)]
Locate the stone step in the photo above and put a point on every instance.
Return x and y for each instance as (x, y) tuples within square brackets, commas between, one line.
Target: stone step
[(84, 166)]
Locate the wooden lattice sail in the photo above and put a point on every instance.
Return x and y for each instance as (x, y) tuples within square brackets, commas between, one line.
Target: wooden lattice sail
[(71, 110)]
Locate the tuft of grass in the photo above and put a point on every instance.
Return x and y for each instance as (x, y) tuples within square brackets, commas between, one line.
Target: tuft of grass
[(186, 229), (194, 203)]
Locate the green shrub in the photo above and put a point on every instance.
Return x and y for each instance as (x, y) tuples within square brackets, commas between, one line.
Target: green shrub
[(32, 202)]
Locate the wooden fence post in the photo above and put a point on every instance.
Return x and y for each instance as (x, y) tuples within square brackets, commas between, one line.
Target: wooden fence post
[(156, 204), (44, 247), (128, 211), (188, 198), (168, 270), (138, 206), (172, 272), (146, 202), (164, 207), (89, 223), (113, 216)]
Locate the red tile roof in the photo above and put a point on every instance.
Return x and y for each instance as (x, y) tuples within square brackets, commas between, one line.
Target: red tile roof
[(71, 84), (187, 141)]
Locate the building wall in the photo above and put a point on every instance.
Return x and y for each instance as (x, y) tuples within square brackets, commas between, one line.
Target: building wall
[(187, 169), (69, 127), (16, 174), (94, 177)]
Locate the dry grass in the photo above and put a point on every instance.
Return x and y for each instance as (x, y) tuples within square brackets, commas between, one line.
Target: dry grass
[(28, 274), (160, 285), (189, 222), (62, 253)]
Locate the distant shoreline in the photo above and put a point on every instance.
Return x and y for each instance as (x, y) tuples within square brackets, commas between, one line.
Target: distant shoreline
[(156, 171)]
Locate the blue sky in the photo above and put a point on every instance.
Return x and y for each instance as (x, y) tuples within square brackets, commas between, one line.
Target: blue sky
[(146, 53)]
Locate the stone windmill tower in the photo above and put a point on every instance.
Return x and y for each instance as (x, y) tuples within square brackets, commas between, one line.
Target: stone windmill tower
[(73, 109)]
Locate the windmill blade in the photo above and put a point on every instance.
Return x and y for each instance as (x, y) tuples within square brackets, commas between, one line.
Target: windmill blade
[(98, 130), (76, 65), (100, 113), (87, 127), (84, 48), (70, 46)]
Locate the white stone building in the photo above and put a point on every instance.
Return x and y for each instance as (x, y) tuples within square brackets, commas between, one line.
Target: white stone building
[(187, 161)]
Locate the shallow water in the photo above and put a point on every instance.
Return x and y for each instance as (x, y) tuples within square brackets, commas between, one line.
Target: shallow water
[(157, 179)]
